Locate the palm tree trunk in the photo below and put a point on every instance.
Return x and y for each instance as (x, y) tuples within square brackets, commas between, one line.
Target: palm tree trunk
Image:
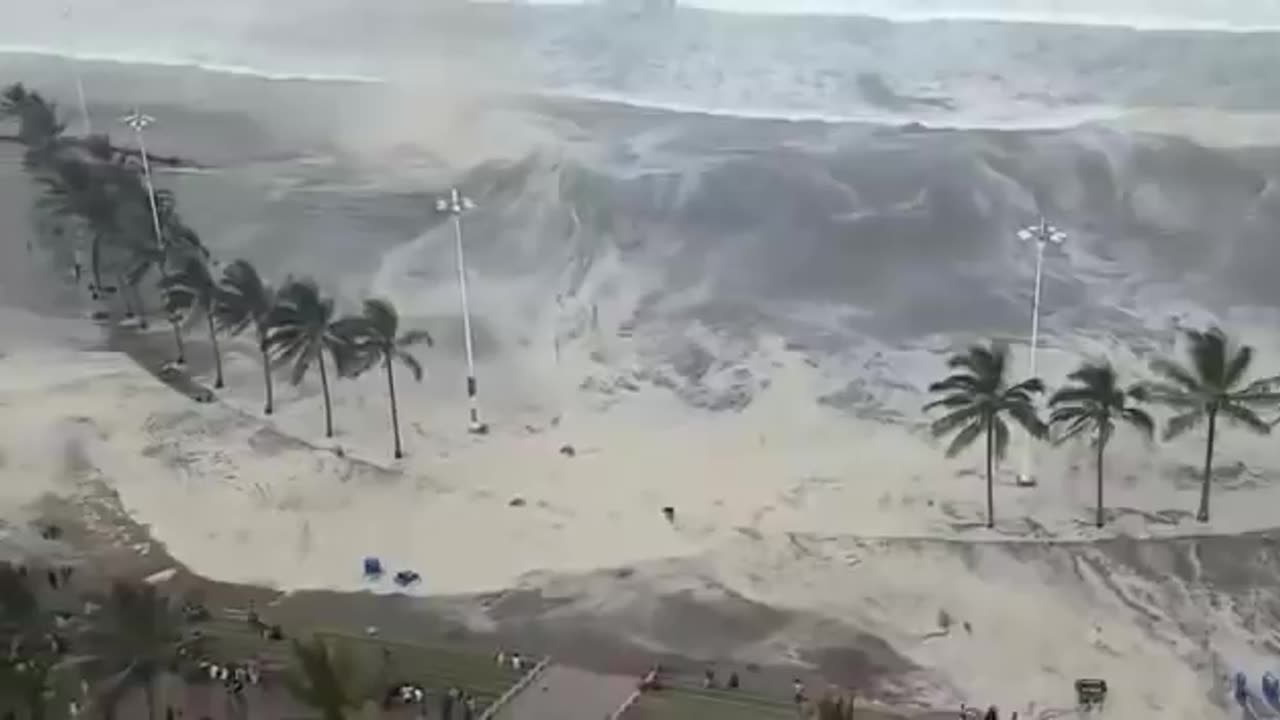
[(123, 289), (328, 407), (149, 690), (139, 305), (177, 339), (1203, 514), (95, 264), (217, 354), (991, 476), (395, 415), (266, 371), (1100, 520)]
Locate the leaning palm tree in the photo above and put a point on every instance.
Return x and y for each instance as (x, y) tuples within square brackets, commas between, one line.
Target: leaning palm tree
[(38, 124), (1094, 402), (34, 653), (301, 330), (977, 398), (375, 338), (247, 300), (132, 640), (1212, 385), (193, 289), (323, 678)]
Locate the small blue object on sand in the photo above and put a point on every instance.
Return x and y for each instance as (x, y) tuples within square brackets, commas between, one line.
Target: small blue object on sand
[(1271, 689), (405, 578), (372, 568)]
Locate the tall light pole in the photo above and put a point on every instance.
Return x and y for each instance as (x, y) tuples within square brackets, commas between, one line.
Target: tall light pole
[(75, 71), (1043, 235), (455, 205), (139, 122)]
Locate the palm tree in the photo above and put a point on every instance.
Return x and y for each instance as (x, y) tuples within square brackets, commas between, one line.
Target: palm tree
[(1094, 402), (323, 678), (74, 189), (1210, 386), (247, 300), (135, 637), (977, 398), (375, 338), (302, 330), (38, 125), (192, 288)]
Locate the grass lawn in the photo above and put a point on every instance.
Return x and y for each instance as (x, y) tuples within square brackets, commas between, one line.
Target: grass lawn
[(432, 666), (687, 704)]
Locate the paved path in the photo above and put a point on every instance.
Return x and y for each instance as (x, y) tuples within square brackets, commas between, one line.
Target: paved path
[(565, 693)]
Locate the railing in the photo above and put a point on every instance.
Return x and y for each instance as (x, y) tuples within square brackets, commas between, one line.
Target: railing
[(514, 690), (626, 704)]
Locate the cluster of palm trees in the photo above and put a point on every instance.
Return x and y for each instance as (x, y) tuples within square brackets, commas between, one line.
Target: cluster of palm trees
[(1213, 385), (98, 648), (102, 197)]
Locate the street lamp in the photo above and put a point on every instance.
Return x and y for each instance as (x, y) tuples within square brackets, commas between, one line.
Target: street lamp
[(1043, 235), (138, 122), (455, 205), (75, 71)]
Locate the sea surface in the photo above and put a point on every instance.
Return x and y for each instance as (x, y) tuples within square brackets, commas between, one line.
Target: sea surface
[(697, 181)]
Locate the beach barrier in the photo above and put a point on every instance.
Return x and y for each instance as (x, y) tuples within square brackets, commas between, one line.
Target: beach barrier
[(514, 690)]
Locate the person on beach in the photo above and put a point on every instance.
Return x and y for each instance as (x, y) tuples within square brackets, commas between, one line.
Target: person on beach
[(517, 663), (669, 513), (501, 657), (469, 709), (446, 703), (733, 680), (797, 688), (992, 714), (709, 678)]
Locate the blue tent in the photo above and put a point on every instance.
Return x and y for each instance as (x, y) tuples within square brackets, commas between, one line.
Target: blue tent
[(1242, 687), (372, 567), (1271, 689)]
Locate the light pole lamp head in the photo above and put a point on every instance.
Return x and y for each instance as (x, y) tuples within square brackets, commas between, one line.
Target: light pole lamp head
[(137, 120), (1042, 233), (456, 203)]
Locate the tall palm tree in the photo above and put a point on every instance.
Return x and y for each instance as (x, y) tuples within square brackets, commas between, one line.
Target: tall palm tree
[(247, 300), (34, 654), (1094, 402), (74, 189), (1211, 385), (375, 338), (192, 289), (977, 398), (38, 124), (133, 639), (302, 330), (324, 679)]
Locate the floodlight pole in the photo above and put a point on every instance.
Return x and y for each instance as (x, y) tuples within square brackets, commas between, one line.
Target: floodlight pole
[(455, 205), (1042, 234), (75, 71), (139, 122)]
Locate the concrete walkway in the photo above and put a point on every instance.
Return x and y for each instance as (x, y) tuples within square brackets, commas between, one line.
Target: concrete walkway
[(565, 693)]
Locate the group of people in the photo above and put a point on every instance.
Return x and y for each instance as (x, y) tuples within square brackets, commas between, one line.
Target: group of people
[(455, 703), (517, 662), (992, 713)]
